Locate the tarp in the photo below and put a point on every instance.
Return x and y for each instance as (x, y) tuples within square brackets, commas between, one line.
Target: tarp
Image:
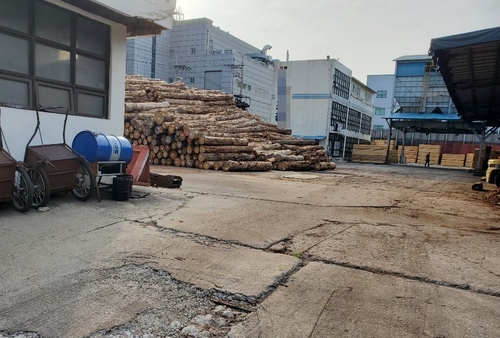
[(465, 39)]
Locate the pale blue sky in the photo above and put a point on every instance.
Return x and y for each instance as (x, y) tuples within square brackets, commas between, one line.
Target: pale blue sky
[(365, 35)]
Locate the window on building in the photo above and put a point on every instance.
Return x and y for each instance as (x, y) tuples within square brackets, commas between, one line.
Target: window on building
[(381, 94), (52, 57), (193, 50), (172, 52), (366, 124), (191, 80), (380, 111), (339, 114), (356, 90), (353, 123), (368, 97), (341, 84), (378, 127)]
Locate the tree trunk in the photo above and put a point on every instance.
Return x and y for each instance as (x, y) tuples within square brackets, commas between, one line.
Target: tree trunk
[(220, 141), (226, 149), (325, 166), (226, 157), (246, 166)]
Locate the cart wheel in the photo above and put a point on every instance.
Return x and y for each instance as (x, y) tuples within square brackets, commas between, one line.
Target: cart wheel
[(84, 182), (22, 198), (41, 187)]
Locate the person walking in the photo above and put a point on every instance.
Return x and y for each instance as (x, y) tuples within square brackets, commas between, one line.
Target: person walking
[(427, 160)]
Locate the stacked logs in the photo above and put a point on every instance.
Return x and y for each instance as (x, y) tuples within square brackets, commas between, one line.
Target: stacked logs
[(195, 128)]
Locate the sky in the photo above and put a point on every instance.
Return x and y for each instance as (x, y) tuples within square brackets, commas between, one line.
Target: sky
[(364, 35)]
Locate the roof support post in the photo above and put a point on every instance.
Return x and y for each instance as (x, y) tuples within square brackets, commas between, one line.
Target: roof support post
[(481, 138), (389, 122), (402, 159)]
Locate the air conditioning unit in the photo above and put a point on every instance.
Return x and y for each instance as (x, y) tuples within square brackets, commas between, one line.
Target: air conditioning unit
[(228, 51)]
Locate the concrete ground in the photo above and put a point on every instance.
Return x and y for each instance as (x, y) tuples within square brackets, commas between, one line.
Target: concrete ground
[(362, 251)]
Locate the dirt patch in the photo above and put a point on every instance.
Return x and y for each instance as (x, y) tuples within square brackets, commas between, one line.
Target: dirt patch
[(493, 197)]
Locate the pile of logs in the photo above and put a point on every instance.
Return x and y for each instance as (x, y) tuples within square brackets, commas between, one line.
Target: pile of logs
[(204, 129)]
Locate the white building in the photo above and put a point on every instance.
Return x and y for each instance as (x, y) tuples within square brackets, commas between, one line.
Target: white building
[(319, 99), (383, 101), (205, 56), (69, 53)]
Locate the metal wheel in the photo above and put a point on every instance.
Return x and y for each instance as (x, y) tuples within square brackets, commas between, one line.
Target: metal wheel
[(41, 187), (22, 198), (84, 182)]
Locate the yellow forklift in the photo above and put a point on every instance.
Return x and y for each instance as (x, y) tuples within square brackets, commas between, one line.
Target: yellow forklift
[(493, 172)]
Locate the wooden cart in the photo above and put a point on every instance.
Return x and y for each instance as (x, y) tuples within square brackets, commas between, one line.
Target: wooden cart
[(57, 168), (15, 184)]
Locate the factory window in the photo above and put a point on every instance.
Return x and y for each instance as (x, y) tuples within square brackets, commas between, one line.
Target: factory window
[(379, 111), (341, 84), (381, 94), (339, 114), (356, 90), (193, 50), (366, 124), (353, 123), (191, 80), (172, 52), (51, 56), (378, 127)]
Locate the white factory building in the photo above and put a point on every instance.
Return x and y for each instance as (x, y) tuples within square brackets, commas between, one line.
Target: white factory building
[(320, 100), (68, 53), (204, 56)]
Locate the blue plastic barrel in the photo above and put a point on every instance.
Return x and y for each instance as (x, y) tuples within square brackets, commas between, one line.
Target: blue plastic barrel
[(100, 147)]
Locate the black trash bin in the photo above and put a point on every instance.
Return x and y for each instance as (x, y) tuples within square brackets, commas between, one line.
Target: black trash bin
[(122, 187)]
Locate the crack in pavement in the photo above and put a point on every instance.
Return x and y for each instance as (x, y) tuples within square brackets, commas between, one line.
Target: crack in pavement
[(299, 203), (426, 280)]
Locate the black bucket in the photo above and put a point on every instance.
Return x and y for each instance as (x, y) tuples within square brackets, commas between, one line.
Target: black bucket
[(122, 187)]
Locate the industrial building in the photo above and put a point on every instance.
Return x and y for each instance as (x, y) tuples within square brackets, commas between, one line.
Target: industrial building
[(68, 53), (320, 100), (417, 87), (205, 56)]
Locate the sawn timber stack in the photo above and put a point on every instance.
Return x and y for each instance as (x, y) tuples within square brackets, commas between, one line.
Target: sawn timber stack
[(203, 129)]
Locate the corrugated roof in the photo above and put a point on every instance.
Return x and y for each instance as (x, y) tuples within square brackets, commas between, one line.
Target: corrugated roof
[(470, 66), (413, 57), (422, 116)]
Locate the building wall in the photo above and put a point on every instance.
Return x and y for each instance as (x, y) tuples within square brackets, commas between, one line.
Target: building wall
[(383, 100), (18, 124), (314, 90)]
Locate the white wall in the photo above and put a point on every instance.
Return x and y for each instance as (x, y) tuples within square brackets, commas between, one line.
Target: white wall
[(159, 11), (307, 79), (382, 82), (18, 124)]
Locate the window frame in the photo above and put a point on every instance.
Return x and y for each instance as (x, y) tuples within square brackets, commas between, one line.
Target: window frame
[(35, 80), (381, 94)]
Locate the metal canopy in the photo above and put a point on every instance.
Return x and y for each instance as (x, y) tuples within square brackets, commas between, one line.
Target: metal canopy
[(470, 66), (135, 26), (433, 123)]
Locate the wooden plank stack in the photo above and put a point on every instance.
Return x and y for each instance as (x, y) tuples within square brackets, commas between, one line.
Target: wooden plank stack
[(203, 129), (376, 154), (469, 160), (433, 149), (384, 142), (411, 153), (453, 160)]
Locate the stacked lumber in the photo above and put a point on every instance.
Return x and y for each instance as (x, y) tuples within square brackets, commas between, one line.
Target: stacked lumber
[(203, 129), (453, 160), (384, 142), (433, 149), (469, 160), (411, 153), (376, 154)]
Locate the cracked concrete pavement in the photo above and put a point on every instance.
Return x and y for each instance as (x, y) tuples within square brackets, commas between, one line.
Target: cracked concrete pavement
[(361, 251)]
